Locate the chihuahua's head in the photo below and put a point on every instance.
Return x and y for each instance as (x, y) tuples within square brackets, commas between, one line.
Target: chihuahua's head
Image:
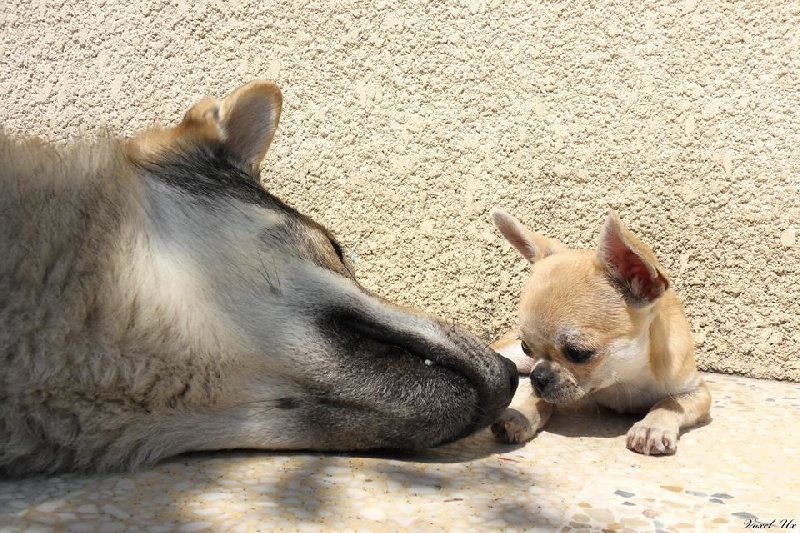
[(585, 315)]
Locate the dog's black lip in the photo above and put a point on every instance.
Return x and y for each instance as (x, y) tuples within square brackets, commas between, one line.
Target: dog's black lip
[(406, 344), (422, 354)]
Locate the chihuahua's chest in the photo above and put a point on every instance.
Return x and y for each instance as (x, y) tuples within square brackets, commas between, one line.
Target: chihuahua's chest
[(632, 396)]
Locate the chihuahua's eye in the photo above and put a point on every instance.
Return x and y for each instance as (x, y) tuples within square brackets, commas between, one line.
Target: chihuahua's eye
[(577, 355), (525, 349)]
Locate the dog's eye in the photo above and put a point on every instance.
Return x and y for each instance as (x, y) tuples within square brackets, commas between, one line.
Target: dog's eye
[(337, 248), (525, 348), (577, 355)]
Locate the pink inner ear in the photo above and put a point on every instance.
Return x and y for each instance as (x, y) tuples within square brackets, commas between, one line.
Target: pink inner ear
[(641, 279)]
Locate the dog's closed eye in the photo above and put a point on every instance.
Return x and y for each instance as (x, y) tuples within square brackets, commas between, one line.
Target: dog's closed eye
[(337, 248), (575, 354)]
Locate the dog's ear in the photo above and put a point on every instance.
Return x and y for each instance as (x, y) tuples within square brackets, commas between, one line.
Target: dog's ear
[(244, 122), (532, 246), (248, 119), (630, 263)]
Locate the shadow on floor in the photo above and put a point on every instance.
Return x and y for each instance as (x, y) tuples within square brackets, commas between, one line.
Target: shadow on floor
[(299, 487)]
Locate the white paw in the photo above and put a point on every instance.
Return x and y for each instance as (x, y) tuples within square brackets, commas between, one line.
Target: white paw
[(652, 439), (513, 427)]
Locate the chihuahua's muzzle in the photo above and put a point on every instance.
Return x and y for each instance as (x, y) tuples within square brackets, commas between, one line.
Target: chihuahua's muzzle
[(554, 385)]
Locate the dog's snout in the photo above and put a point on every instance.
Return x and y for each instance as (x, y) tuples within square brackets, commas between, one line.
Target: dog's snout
[(514, 375), (540, 377)]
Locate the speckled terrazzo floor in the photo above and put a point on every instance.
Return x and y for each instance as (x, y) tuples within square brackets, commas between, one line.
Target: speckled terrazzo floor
[(575, 475)]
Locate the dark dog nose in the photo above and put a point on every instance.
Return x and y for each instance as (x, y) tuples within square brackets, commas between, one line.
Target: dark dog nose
[(540, 377), (514, 380)]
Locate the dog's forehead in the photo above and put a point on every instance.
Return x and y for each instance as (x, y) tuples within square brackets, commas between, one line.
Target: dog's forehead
[(563, 282), (568, 300)]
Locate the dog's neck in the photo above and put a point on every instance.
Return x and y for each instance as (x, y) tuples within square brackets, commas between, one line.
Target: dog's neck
[(671, 341)]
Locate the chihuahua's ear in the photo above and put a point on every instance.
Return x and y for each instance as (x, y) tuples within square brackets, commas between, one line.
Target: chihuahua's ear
[(245, 121), (630, 263), (532, 246)]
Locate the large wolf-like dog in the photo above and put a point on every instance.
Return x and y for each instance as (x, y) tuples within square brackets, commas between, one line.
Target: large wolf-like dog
[(155, 299)]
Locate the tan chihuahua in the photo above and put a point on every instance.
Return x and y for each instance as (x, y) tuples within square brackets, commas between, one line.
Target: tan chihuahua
[(603, 326)]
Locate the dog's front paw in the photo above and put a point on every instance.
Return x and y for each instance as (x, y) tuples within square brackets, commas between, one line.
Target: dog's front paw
[(513, 427), (652, 439)]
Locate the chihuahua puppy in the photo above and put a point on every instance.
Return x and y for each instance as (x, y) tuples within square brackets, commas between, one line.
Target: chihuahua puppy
[(601, 326)]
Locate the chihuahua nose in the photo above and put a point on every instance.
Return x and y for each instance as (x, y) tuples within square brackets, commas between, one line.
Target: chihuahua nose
[(540, 377)]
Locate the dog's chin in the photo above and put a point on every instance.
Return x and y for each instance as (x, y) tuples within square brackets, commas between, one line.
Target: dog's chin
[(563, 394)]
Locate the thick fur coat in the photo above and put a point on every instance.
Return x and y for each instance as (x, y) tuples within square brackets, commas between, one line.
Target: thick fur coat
[(155, 299)]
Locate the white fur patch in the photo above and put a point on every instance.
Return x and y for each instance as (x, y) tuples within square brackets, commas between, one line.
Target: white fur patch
[(624, 377), (630, 358), (172, 290), (626, 381)]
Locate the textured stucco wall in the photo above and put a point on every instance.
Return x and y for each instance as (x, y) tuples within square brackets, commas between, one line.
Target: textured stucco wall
[(406, 121)]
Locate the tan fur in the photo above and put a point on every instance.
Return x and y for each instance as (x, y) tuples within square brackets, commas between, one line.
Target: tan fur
[(615, 304)]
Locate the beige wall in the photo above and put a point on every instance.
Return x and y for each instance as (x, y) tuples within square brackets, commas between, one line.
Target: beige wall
[(405, 122)]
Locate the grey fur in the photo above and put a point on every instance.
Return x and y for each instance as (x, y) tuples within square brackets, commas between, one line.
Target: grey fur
[(143, 316)]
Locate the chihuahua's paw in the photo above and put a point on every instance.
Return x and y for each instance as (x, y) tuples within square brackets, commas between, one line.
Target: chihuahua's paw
[(651, 439), (513, 427)]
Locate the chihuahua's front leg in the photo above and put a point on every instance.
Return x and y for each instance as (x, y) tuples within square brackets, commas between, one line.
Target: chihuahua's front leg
[(522, 420), (657, 433), (519, 423)]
